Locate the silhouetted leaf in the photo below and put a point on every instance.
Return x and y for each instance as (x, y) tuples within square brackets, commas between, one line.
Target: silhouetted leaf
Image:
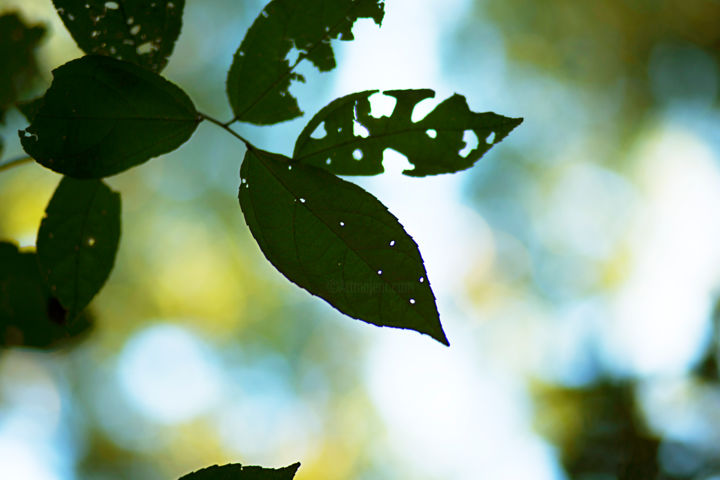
[(139, 31), (354, 140), (102, 116), (18, 66), (337, 241), (78, 240), (259, 79), (235, 471), (29, 315)]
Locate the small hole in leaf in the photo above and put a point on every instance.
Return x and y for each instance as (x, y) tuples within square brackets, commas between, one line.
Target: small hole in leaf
[(381, 105), (171, 5), (302, 200), (392, 243), (145, 48), (319, 131), (342, 224), (359, 130), (289, 167), (130, 20), (135, 29), (71, 17), (379, 272), (412, 301), (328, 161), (91, 242), (422, 279), (112, 5), (471, 143), (87, 5), (357, 154), (432, 133), (490, 139), (94, 33)]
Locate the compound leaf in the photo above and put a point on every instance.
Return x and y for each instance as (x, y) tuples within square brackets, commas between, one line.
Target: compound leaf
[(78, 240), (338, 242), (102, 116), (29, 315), (18, 66), (261, 72), (354, 140), (235, 471), (139, 31)]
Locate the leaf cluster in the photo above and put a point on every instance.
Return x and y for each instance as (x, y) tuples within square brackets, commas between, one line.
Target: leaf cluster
[(111, 110)]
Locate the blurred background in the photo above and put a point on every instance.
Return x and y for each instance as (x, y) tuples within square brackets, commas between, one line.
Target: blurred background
[(576, 268)]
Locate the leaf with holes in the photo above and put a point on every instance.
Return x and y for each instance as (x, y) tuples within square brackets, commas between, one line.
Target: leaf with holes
[(337, 241), (235, 471), (78, 240), (353, 141), (102, 116), (18, 66), (261, 72), (139, 31), (29, 315)]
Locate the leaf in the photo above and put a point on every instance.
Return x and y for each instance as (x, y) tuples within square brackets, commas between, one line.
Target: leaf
[(102, 116), (432, 145), (259, 78), (18, 66), (29, 315), (338, 242), (138, 31), (78, 240), (235, 471)]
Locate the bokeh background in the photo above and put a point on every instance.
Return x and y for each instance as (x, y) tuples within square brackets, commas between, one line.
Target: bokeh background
[(576, 267)]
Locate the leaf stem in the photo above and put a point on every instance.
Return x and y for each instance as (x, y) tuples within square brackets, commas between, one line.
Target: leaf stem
[(15, 162), (226, 127)]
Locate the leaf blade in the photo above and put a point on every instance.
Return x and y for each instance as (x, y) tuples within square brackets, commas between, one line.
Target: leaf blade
[(338, 242), (78, 240), (432, 145), (137, 31), (29, 315), (235, 471), (102, 116), (260, 75)]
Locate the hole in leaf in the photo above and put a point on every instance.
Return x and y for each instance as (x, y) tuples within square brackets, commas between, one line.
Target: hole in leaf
[(289, 167), (319, 131), (490, 139), (395, 162), (412, 301), (342, 224), (171, 5), (130, 20), (379, 272), (357, 154), (328, 161), (302, 200), (422, 279), (71, 17), (359, 130), (135, 29), (91, 242), (381, 105), (424, 107), (112, 5), (471, 143), (432, 133), (145, 48), (392, 243), (293, 56)]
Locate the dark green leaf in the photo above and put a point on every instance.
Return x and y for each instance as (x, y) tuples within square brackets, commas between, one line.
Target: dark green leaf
[(337, 241), (433, 145), (139, 31), (78, 240), (259, 79), (102, 116), (29, 315), (235, 471), (18, 67)]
